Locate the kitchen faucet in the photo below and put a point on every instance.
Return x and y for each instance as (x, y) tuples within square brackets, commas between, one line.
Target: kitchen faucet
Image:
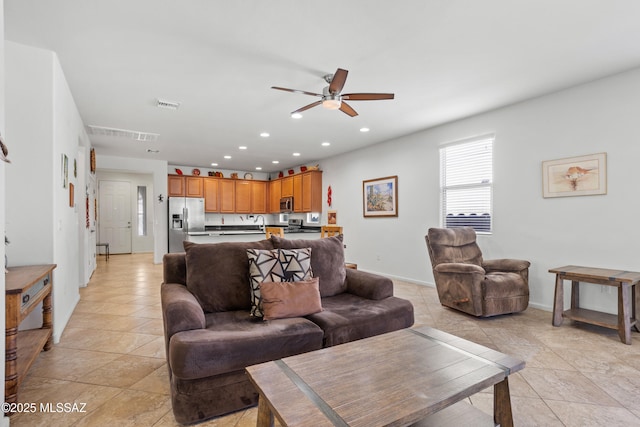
[(262, 227)]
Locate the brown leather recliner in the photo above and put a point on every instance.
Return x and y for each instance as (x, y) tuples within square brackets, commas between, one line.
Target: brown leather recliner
[(470, 284)]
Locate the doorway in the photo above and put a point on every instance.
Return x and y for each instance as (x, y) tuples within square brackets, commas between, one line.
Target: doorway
[(114, 215)]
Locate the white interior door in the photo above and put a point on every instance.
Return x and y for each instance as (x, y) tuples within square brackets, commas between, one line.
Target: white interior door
[(114, 215)]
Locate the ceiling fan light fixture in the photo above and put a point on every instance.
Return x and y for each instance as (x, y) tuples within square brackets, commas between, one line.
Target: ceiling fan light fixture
[(332, 103)]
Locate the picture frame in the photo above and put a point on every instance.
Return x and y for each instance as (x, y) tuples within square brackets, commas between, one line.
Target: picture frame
[(72, 201), (65, 170), (575, 176), (332, 217), (380, 197)]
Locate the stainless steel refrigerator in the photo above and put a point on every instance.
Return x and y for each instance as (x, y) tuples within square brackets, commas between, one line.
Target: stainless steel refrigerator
[(186, 215)]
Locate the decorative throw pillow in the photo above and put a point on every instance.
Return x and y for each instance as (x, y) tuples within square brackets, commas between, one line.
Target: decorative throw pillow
[(277, 265), (290, 299)]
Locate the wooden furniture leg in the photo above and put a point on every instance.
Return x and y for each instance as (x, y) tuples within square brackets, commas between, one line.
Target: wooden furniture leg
[(47, 320), (265, 416), (558, 301), (634, 305), (502, 414), (624, 321), (575, 294), (11, 355)]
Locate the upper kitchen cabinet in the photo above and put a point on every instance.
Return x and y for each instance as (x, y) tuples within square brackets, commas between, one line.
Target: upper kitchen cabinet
[(194, 186), (227, 190), (297, 193), (259, 196), (275, 194), (184, 186), (243, 196), (211, 193), (286, 187), (311, 192), (176, 186)]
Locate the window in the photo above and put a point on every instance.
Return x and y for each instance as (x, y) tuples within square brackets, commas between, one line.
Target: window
[(466, 184), (142, 211)]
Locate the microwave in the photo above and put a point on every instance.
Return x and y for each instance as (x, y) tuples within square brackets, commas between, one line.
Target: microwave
[(286, 204)]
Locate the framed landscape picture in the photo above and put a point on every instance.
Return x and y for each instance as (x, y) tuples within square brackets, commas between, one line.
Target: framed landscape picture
[(380, 197), (575, 176)]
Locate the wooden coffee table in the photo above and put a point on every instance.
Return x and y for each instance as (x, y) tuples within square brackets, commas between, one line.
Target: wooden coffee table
[(409, 377)]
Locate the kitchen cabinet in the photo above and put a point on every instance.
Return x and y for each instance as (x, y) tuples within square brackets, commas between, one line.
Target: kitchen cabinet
[(243, 196), (297, 193), (227, 198), (211, 192), (194, 186), (311, 191), (259, 193), (176, 186), (275, 193), (286, 187)]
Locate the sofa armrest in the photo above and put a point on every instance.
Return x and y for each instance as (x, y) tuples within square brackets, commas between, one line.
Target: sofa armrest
[(180, 310), (458, 268), (513, 265), (174, 268), (368, 285)]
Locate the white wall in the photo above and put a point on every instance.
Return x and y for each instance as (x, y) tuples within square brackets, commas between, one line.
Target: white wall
[(43, 123), (4, 420), (592, 230), (158, 169), (138, 243)]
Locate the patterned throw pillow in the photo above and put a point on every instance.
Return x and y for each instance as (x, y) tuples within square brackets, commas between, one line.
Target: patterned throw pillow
[(277, 265)]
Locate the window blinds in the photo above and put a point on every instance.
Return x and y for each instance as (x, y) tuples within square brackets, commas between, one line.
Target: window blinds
[(466, 179)]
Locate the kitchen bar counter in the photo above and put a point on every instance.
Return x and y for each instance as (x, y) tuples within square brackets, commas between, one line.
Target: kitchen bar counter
[(233, 230), (245, 236)]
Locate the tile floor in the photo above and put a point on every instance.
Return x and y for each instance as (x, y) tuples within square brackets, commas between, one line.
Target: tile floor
[(111, 357)]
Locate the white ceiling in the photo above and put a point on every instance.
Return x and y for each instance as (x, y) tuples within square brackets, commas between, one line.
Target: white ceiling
[(444, 60)]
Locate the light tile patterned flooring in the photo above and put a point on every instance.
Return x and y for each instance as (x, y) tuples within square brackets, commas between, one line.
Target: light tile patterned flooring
[(111, 357)]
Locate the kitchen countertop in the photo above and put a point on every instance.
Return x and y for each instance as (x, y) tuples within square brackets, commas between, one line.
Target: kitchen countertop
[(230, 230)]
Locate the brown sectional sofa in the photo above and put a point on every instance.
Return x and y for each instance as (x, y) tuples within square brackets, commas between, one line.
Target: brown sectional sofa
[(210, 336)]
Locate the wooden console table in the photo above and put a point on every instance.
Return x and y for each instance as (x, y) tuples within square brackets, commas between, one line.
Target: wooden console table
[(26, 287), (628, 296)]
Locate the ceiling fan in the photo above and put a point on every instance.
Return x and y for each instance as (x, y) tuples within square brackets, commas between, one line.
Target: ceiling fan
[(332, 98)]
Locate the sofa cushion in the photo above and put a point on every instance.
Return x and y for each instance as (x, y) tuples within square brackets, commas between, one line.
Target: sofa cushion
[(347, 317), (218, 273), (233, 340), (327, 261), (276, 265), (281, 300)]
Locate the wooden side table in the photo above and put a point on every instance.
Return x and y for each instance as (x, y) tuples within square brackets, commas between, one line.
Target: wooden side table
[(26, 287), (625, 281)]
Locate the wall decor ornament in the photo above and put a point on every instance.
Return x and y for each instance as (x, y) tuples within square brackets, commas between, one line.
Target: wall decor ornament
[(575, 176), (380, 197)]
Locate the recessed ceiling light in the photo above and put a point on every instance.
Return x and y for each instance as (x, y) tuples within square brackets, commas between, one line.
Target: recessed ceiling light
[(242, 147), (326, 144), (258, 168), (296, 116), (227, 157), (296, 154), (275, 162), (364, 129), (265, 134), (214, 164)]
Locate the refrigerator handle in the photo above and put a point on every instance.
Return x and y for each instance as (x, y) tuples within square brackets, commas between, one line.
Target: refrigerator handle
[(185, 215)]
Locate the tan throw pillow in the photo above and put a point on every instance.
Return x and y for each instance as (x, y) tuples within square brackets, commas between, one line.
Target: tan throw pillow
[(290, 299), (277, 265)]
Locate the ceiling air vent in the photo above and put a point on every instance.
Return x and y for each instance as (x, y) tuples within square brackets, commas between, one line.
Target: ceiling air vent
[(122, 133), (169, 105)]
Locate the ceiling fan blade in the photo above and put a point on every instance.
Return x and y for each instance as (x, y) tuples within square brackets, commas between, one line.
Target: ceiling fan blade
[(296, 91), (367, 96), (338, 80), (346, 108), (306, 107)]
